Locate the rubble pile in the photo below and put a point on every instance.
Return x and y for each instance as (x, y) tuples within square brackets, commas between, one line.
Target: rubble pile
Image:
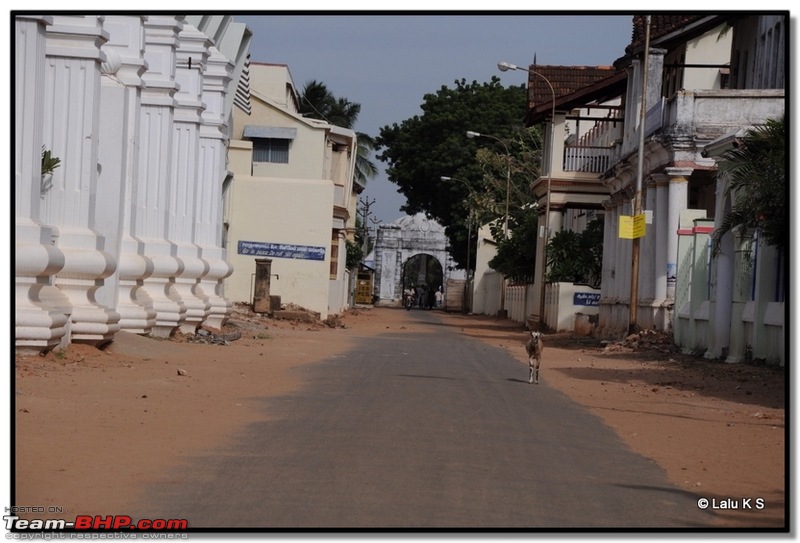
[(243, 321), (296, 313), (204, 336), (643, 340)]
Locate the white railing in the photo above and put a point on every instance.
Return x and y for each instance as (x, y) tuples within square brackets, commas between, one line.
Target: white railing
[(520, 302), (587, 158)]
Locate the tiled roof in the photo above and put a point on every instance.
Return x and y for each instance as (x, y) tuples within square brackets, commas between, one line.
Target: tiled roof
[(565, 80), (683, 26), (574, 86), (660, 25)]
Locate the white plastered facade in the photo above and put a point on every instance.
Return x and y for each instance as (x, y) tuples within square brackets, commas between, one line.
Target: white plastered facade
[(125, 234), (288, 212)]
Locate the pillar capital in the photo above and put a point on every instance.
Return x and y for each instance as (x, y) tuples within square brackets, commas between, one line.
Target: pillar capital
[(76, 37), (659, 179), (679, 174)]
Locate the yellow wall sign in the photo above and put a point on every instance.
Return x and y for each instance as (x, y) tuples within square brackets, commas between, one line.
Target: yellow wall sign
[(631, 227)]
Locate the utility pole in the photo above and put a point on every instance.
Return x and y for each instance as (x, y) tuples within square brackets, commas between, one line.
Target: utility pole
[(375, 222), (633, 309), (365, 215)]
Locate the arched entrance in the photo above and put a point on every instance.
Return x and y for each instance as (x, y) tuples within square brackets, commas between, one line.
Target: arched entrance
[(424, 275), (411, 243)]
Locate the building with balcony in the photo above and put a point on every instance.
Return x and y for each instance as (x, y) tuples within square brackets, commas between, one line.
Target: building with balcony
[(292, 198), (708, 77), (582, 111)]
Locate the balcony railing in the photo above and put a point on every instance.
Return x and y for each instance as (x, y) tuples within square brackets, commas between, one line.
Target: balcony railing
[(587, 158)]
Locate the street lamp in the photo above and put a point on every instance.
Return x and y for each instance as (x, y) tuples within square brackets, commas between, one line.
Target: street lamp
[(504, 67), (470, 134), (469, 240)]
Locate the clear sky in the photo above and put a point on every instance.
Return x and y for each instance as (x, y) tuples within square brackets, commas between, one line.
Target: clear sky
[(387, 63)]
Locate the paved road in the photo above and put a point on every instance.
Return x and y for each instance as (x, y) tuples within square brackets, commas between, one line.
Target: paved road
[(428, 431)]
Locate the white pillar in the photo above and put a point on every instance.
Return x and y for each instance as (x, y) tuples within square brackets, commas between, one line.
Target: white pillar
[(660, 226), (539, 265), (37, 328), (152, 196), (765, 286), (722, 280), (191, 55), (607, 277), (208, 212), (120, 100), (71, 113), (647, 255), (677, 202)]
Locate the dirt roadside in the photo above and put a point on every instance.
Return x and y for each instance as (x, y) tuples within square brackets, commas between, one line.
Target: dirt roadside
[(93, 428)]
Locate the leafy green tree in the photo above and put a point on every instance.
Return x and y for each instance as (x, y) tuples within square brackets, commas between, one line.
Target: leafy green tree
[(591, 252), (317, 102), (423, 149), (516, 256), (562, 262), (574, 257), (757, 183), (523, 166), (354, 254)]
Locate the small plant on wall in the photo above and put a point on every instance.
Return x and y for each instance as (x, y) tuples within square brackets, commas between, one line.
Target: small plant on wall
[(49, 165)]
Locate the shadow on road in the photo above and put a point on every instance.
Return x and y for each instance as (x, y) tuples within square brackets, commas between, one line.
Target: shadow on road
[(654, 367), (746, 384)]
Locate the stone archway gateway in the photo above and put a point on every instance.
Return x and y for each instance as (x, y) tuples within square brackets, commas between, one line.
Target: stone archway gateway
[(408, 245), (423, 274)]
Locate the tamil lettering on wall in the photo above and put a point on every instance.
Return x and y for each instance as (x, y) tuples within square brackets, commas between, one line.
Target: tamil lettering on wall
[(586, 298), (281, 250)]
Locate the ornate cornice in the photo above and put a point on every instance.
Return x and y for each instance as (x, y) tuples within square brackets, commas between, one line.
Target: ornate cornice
[(124, 50)]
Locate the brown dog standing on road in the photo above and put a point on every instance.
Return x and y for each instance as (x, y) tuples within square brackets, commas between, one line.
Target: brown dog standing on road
[(534, 348)]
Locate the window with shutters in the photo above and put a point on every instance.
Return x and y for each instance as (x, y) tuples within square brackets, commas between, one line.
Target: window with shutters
[(334, 271), (271, 150)]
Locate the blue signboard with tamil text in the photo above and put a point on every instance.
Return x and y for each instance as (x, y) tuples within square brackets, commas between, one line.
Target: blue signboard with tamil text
[(586, 298), (281, 250)]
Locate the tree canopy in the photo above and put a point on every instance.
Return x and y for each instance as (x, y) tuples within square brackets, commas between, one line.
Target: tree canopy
[(577, 257), (757, 184), (423, 149)]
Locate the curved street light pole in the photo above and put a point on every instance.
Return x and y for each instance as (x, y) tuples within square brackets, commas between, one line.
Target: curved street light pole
[(504, 67), (471, 134), (502, 313)]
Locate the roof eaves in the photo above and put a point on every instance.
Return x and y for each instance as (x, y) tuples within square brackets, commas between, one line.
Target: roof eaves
[(667, 30), (600, 88)]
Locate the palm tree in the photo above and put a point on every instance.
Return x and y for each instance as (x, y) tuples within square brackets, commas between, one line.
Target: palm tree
[(317, 102), (757, 182), (365, 168)]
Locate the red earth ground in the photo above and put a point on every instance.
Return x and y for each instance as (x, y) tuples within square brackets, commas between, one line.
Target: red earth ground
[(94, 427)]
